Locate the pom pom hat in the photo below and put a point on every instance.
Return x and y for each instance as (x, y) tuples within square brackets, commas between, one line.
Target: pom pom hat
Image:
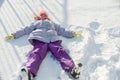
[(43, 13)]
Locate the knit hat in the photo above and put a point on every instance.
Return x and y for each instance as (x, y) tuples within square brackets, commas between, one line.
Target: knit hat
[(43, 12), (43, 15)]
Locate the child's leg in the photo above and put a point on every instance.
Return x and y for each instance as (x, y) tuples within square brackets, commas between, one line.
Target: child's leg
[(36, 57), (61, 55)]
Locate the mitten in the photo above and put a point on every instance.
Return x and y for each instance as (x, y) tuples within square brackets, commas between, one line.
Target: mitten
[(76, 34), (9, 37)]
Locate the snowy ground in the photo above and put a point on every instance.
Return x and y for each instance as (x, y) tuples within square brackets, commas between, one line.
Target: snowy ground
[(97, 20)]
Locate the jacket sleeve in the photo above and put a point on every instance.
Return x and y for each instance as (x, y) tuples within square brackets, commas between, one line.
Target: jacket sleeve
[(25, 31), (62, 31)]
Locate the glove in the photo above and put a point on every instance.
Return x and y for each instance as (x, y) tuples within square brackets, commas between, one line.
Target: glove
[(76, 34), (9, 37), (36, 17)]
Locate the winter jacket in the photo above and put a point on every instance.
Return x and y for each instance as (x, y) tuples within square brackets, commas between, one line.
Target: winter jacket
[(43, 30)]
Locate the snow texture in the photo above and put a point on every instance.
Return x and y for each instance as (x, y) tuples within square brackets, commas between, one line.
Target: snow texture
[(98, 50)]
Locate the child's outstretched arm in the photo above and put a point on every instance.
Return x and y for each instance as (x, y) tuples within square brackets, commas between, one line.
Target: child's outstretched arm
[(25, 31), (66, 33)]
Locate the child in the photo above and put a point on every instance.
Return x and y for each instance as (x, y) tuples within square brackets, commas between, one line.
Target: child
[(44, 36)]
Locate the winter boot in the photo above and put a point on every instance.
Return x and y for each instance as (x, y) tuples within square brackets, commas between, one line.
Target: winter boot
[(75, 73), (26, 75)]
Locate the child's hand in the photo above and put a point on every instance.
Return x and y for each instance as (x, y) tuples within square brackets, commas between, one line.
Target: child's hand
[(76, 34), (9, 37), (36, 17)]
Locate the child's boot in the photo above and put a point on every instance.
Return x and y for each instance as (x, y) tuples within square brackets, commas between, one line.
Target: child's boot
[(75, 73), (26, 75)]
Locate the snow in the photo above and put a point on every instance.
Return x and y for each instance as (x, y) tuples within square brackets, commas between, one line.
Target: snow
[(98, 50)]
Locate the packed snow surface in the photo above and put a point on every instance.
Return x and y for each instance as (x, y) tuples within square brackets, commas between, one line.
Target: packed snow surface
[(99, 49)]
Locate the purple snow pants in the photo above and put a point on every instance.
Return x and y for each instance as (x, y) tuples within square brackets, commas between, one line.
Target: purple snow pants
[(39, 52)]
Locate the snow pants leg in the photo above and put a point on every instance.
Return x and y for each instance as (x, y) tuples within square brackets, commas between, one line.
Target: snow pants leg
[(36, 57), (61, 55), (39, 52)]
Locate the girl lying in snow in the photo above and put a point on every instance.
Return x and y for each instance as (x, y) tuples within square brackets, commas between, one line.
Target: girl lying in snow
[(44, 36)]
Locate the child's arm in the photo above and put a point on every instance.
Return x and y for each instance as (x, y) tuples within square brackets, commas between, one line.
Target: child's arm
[(66, 33), (25, 31)]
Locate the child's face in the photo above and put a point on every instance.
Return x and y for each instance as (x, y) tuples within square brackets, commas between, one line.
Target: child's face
[(43, 16)]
